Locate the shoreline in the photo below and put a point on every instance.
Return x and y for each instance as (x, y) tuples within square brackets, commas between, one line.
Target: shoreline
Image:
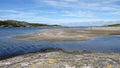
[(53, 58), (47, 50)]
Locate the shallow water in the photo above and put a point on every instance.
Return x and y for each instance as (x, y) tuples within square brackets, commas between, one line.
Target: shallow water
[(13, 46)]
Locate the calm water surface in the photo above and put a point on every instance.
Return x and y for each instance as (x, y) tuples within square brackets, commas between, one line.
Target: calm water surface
[(13, 46)]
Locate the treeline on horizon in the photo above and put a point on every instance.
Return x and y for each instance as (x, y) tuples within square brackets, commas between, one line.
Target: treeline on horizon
[(113, 25), (14, 23)]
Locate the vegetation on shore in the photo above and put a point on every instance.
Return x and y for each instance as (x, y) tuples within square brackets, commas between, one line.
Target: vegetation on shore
[(14, 23), (113, 25)]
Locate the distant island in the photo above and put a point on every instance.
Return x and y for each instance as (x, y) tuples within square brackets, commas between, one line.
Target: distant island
[(14, 23), (113, 25)]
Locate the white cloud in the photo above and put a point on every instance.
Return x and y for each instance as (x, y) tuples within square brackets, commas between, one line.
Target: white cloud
[(70, 0), (11, 11), (82, 4), (31, 17), (79, 13), (67, 12), (106, 7)]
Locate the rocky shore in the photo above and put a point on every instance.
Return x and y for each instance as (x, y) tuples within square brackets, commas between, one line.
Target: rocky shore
[(60, 59), (71, 34), (57, 58)]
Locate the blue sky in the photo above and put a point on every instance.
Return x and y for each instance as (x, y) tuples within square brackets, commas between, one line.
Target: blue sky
[(62, 12)]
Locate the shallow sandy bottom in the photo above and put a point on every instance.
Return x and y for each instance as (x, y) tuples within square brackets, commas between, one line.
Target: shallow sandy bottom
[(72, 34)]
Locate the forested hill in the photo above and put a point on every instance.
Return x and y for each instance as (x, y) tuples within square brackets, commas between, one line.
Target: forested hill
[(114, 25), (14, 23)]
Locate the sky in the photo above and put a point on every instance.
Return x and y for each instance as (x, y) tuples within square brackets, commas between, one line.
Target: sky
[(62, 12)]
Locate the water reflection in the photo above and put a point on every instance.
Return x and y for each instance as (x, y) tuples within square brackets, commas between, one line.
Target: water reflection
[(13, 46)]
